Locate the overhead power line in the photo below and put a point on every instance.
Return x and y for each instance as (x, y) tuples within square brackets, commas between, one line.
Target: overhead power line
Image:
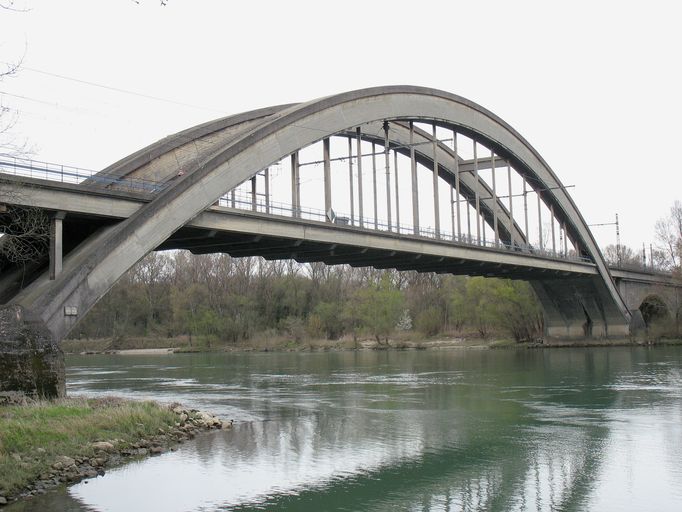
[(120, 90)]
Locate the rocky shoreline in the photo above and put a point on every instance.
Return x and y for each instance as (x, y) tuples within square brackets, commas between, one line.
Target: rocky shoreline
[(110, 453)]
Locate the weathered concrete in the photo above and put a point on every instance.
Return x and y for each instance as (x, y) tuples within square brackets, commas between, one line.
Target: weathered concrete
[(30, 359), (636, 292), (579, 307)]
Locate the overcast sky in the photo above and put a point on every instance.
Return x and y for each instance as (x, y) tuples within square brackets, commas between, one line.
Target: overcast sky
[(594, 86)]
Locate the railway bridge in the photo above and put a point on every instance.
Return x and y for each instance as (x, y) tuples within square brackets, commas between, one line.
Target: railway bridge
[(392, 177)]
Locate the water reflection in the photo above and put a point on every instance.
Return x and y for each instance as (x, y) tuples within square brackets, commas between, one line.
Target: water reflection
[(471, 430)]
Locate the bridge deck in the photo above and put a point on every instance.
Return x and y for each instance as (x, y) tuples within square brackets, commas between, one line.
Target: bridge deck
[(246, 233)]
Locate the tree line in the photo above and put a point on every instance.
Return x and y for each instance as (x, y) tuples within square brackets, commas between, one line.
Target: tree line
[(217, 297)]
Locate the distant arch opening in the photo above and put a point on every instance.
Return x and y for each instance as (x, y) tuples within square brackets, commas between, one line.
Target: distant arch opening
[(653, 310)]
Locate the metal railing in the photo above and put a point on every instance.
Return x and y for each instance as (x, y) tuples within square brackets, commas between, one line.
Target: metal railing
[(244, 201), (75, 175)]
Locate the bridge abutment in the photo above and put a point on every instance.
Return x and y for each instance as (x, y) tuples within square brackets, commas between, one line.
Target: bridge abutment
[(31, 361), (579, 308)]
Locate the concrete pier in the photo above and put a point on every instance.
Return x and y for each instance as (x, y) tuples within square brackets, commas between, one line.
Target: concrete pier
[(31, 361)]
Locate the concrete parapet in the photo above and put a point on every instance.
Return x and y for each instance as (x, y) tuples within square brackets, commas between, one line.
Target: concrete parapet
[(31, 362)]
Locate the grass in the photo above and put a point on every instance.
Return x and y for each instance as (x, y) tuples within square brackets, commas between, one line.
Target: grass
[(33, 435)]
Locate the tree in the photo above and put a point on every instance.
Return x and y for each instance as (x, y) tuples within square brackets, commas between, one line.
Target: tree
[(503, 304), (152, 273), (669, 237), (188, 305), (24, 231), (380, 308), (330, 319), (622, 256)]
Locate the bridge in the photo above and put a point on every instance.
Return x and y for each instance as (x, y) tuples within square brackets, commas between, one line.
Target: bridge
[(426, 181)]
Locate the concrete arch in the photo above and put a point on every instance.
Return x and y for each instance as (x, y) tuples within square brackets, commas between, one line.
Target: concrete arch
[(257, 141)]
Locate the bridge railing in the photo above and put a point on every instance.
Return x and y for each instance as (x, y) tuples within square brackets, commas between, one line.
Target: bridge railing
[(75, 175), (640, 267), (245, 201)]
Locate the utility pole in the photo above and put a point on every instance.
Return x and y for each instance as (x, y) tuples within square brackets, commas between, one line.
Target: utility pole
[(617, 224)]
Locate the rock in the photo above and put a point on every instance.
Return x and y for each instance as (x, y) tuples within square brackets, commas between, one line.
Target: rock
[(3, 500), (183, 418), (142, 451), (104, 446), (16, 457), (97, 462), (156, 450), (227, 425), (91, 473), (63, 462)]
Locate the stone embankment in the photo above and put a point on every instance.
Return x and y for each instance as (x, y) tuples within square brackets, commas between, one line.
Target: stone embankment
[(113, 452)]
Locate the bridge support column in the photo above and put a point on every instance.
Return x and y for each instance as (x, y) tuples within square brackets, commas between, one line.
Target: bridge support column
[(397, 193), (579, 308), (457, 189), (56, 244), (361, 212), (436, 197), (415, 183), (327, 179), (295, 185), (31, 361), (478, 197), (387, 163)]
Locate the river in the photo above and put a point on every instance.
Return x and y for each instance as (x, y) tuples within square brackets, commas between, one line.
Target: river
[(472, 429)]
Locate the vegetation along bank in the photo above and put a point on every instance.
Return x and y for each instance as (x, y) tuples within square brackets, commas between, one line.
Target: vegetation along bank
[(44, 444)]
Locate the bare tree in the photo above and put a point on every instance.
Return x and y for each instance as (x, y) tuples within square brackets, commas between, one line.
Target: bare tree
[(10, 5), (669, 237), (622, 256), (163, 2), (11, 144), (24, 232)]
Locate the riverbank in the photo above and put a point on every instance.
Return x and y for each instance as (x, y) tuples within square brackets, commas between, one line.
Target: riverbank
[(180, 344), (44, 444)]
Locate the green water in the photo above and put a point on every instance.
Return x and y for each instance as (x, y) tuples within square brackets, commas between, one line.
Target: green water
[(561, 429)]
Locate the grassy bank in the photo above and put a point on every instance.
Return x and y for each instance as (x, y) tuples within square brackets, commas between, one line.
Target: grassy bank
[(33, 436)]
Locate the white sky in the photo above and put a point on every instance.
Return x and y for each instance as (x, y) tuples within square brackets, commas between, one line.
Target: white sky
[(594, 86)]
